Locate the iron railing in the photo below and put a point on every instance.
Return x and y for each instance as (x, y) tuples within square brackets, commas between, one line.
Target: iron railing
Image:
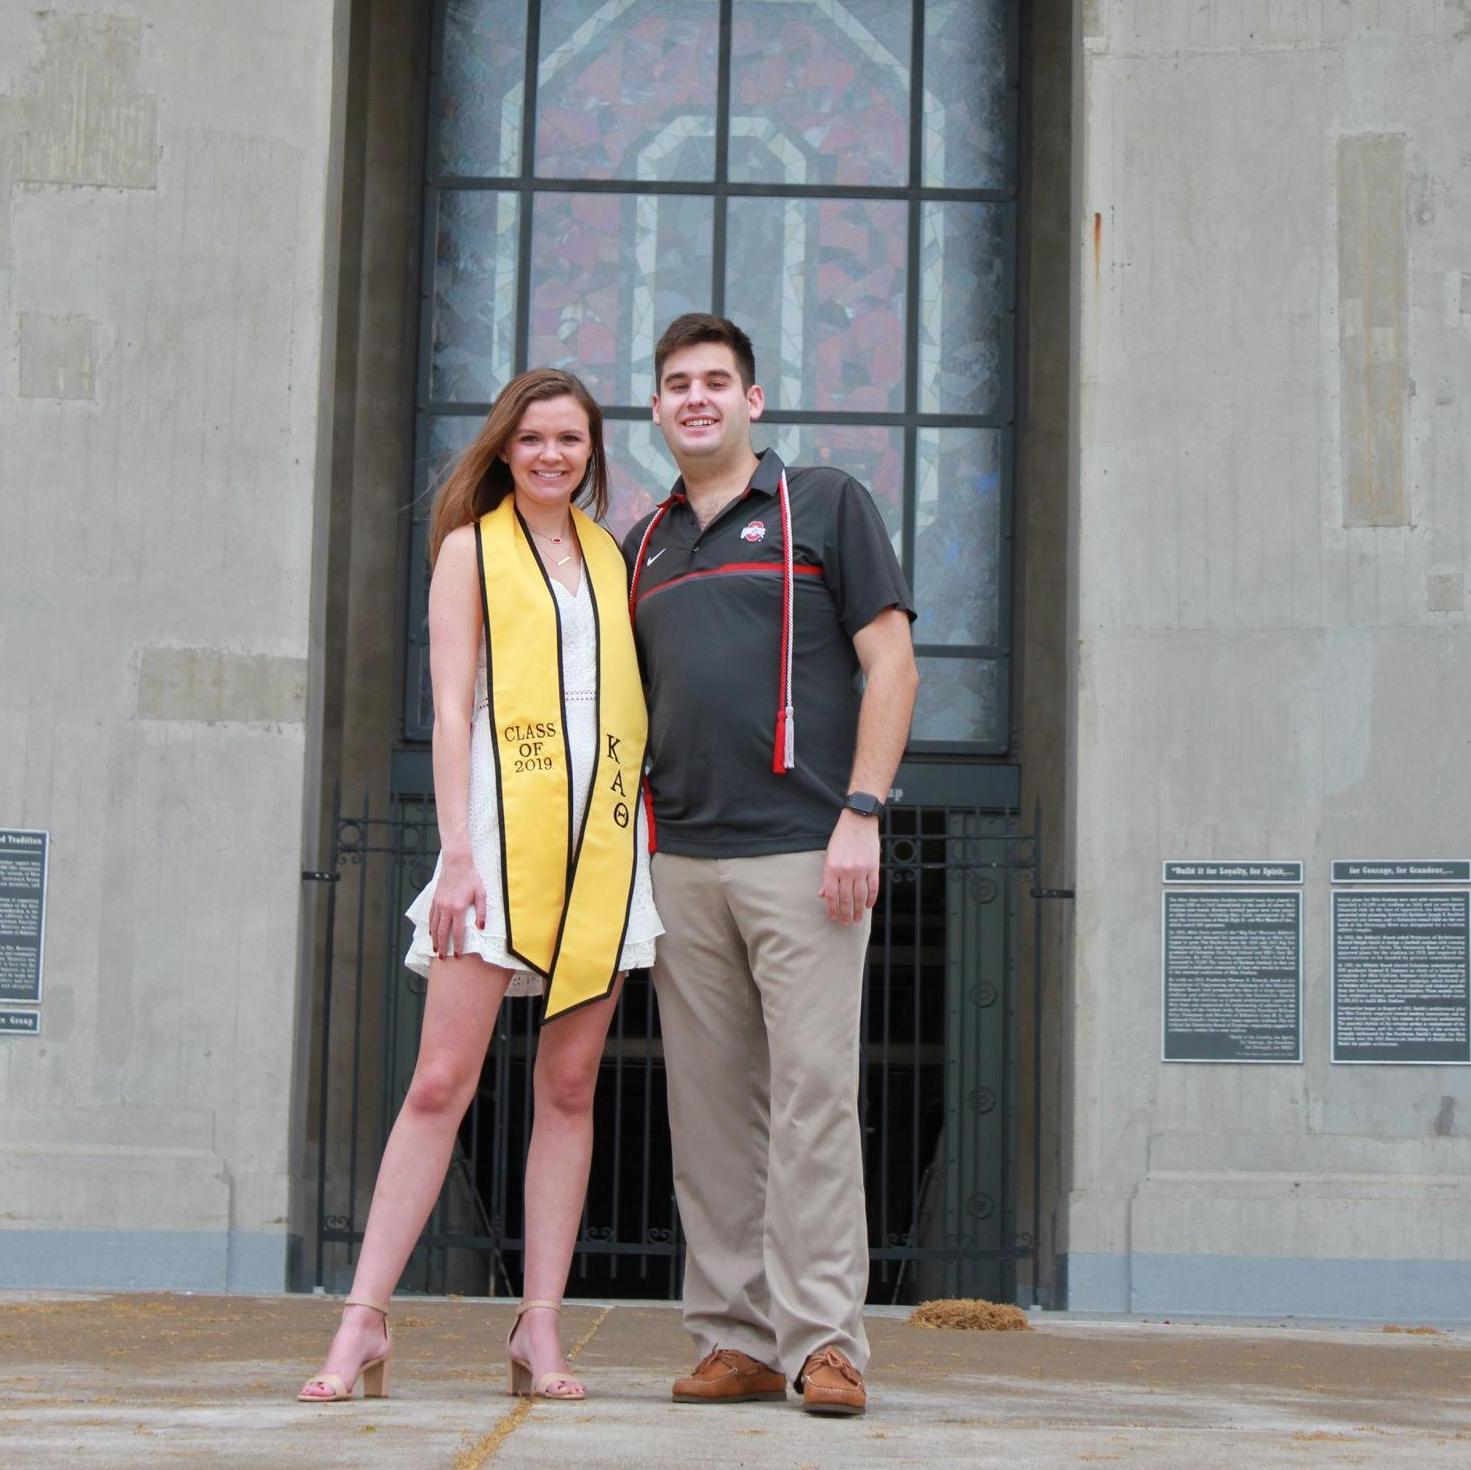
[(940, 1095)]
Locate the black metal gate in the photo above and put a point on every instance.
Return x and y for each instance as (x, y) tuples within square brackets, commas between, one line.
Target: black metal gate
[(940, 1093)]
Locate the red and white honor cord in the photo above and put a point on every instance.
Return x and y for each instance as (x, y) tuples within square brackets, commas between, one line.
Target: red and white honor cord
[(784, 745), (638, 561), (638, 567)]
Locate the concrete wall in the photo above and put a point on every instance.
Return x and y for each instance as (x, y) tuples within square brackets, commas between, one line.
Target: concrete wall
[(1274, 282), (168, 179)]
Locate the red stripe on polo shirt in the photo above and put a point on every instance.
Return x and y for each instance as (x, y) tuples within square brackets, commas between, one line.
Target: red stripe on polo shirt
[(732, 568)]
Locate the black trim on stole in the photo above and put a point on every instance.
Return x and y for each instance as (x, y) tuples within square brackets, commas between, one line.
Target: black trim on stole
[(636, 804), (597, 622), (495, 744), (574, 853), (561, 703)]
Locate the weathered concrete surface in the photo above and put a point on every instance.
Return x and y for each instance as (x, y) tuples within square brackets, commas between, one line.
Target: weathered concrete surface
[(79, 114), (1270, 541), (208, 1381), (210, 684), (1373, 322), (58, 356), (167, 179)]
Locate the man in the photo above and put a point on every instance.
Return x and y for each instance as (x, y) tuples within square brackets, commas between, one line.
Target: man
[(760, 595)]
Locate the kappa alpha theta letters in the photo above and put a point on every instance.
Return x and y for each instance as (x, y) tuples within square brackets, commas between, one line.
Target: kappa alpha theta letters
[(566, 893)]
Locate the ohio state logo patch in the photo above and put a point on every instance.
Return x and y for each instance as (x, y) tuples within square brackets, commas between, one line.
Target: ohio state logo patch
[(756, 531)]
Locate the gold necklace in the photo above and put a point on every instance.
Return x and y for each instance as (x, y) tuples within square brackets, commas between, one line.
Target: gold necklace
[(554, 541)]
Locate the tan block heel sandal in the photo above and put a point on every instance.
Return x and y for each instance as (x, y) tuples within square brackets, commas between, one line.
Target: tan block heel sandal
[(519, 1372), (374, 1373)]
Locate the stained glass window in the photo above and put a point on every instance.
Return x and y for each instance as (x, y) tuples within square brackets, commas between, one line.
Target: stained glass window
[(820, 92), (474, 315), (836, 175), (965, 344), (961, 701), (626, 89), (957, 537), (590, 313), (640, 468), (821, 284), (870, 453), (481, 65), (969, 135)]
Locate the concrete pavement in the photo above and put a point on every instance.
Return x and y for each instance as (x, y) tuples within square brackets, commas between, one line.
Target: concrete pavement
[(116, 1381)]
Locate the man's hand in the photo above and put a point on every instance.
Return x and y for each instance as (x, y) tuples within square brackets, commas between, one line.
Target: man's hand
[(850, 876)]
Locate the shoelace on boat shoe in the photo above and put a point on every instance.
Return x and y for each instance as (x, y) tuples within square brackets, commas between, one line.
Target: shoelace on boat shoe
[(832, 1358), (728, 1356)]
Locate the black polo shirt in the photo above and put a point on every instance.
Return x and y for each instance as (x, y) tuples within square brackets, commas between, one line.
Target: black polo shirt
[(708, 622)]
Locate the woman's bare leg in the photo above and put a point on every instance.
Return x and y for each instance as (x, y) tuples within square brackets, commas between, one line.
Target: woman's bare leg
[(459, 1014), (557, 1164)]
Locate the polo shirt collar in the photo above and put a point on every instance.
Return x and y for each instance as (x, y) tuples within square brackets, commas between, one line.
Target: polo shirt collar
[(767, 474)]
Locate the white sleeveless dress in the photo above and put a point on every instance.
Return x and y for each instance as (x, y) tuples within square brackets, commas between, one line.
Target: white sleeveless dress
[(579, 670)]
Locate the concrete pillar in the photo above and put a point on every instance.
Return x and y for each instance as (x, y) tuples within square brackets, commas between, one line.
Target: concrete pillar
[(1271, 657), (167, 276)]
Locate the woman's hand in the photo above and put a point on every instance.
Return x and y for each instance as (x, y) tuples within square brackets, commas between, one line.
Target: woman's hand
[(459, 888)]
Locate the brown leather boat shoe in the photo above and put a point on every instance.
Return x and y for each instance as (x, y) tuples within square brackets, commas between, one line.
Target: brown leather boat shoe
[(830, 1384), (728, 1377)]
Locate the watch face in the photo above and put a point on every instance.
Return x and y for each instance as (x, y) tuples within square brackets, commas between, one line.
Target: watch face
[(864, 804)]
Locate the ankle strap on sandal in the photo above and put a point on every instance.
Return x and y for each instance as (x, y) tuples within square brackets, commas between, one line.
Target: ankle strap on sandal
[(538, 1301), (362, 1301)]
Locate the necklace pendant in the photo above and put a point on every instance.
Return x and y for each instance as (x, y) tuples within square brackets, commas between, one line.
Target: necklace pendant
[(565, 560)]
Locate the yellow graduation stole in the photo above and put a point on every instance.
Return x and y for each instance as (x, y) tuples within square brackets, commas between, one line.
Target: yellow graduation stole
[(567, 893)]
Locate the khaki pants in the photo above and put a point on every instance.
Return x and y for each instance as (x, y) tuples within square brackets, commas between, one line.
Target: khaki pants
[(759, 1002)]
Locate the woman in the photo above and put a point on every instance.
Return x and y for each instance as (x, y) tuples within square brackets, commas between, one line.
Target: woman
[(542, 882)]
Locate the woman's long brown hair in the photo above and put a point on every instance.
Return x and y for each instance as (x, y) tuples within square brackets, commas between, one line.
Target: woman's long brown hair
[(481, 479)]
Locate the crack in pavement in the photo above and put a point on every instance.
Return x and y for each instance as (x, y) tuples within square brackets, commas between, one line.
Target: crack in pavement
[(485, 1448)]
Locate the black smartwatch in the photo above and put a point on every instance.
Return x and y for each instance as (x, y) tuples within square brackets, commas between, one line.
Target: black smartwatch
[(864, 803)]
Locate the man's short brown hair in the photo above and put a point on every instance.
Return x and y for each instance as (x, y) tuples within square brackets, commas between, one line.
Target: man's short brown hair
[(695, 327)]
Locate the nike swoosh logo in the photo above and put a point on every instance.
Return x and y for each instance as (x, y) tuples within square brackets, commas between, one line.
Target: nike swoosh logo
[(655, 557)]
